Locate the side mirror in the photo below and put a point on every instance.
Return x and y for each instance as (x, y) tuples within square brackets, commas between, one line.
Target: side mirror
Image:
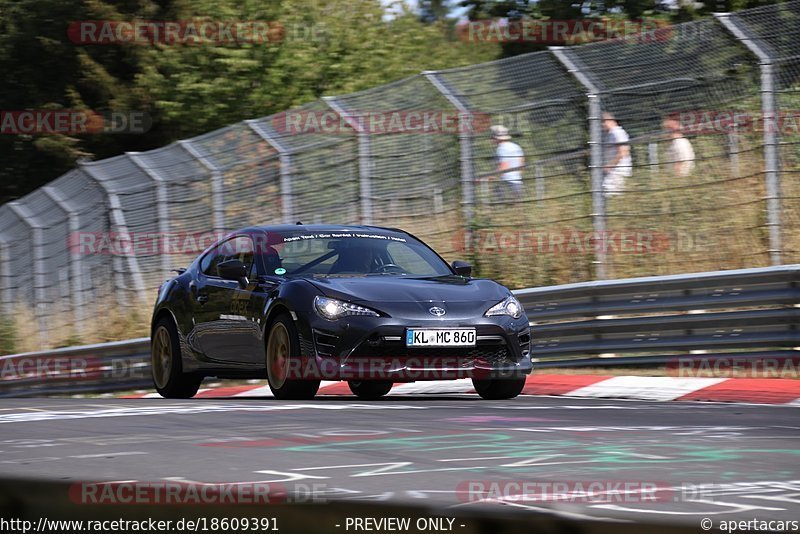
[(234, 270), (462, 268)]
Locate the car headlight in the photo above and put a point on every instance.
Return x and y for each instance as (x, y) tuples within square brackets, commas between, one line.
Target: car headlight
[(509, 306), (332, 309)]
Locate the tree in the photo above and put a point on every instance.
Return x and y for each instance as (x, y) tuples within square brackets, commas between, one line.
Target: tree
[(45, 70), (433, 10), (319, 47)]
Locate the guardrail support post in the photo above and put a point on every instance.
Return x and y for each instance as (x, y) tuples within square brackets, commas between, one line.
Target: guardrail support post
[(364, 158), (596, 155), (466, 132), (769, 111), (287, 200), (217, 206)]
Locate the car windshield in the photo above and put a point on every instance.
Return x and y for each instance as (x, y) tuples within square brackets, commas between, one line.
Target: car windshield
[(350, 253)]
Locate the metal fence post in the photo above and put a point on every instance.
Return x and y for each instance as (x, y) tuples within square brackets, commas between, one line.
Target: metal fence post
[(162, 207), (769, 110), (117, 219), (466, 131), (652, 158), (75, 269), (39, 268), (5, 274), (217, 205), (287, 200), (596, 151), (538, 174), (771, 163), (733, 150), (364, 158)]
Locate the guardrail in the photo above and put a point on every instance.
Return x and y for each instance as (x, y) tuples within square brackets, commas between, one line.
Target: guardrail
[(747, 314), (116, 366)]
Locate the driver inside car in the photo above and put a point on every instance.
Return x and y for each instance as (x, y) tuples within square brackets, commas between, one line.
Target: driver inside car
[(358, 259)]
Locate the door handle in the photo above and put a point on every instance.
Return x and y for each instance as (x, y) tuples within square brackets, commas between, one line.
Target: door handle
[(202, 298)]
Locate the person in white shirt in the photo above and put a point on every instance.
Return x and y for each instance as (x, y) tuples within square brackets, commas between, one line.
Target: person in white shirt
[(680, 153), (509, 156), (616, 156)]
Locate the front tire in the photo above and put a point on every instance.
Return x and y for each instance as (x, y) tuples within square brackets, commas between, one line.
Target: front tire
[(498, 388), (369, 389), (283, 356), (166, 366)]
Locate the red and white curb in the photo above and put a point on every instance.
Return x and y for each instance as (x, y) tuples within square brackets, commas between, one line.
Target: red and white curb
[(655, 388)]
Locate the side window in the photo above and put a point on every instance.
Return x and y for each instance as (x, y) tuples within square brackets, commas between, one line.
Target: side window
[(240, 248), (237, 248), (209, 262)]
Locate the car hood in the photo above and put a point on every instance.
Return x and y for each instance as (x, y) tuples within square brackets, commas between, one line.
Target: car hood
[(457, 295)]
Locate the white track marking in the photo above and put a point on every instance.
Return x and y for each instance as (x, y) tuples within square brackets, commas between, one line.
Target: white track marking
[(659, 388), (261, 391), (193, 408), (462, 385)]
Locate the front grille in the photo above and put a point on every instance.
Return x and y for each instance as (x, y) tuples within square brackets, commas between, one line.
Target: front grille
[(492, 354)]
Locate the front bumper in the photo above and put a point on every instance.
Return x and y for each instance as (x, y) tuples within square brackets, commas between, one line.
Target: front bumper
[(373, 348)]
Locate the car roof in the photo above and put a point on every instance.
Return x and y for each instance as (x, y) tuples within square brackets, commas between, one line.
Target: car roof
[(318, 228)]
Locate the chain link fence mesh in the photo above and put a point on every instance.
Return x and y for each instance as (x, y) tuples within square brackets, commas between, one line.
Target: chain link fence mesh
[(702, 220), (539, 102), (107, 233), (320, 164), (413, 177)]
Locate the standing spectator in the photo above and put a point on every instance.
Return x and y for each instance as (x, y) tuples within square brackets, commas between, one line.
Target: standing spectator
[(616, 156), (680, 153), (509, 156)]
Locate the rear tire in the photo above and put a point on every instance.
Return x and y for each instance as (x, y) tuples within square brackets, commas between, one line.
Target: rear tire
[(166, 365), (370, 389), (498, 388), (282, 355)]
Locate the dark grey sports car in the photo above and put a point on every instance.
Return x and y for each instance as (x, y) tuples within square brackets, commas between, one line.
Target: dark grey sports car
[(305, 303)]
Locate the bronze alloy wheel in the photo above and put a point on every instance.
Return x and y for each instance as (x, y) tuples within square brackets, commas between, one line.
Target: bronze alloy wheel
[(278, 354), (161, 357)]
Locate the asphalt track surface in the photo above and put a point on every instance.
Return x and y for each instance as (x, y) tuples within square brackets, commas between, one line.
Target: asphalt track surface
[(723, 461)]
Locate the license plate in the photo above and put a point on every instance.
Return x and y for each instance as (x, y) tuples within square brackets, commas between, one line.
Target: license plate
[(440, 337)]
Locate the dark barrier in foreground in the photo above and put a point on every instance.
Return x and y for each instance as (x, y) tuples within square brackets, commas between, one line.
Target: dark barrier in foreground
[(43, 506)]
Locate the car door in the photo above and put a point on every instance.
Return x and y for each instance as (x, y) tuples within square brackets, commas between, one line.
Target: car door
[(226, 319)]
